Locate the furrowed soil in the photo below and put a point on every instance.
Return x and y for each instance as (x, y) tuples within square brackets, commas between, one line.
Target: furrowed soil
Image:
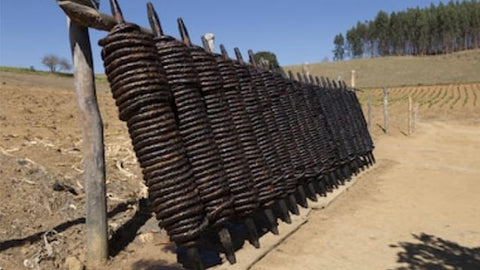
[(418, 207)]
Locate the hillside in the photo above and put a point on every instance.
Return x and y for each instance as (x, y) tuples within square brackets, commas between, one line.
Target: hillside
[(459, 67)]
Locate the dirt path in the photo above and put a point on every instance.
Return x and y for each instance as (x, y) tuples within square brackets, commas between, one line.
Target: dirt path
[(418, 209)]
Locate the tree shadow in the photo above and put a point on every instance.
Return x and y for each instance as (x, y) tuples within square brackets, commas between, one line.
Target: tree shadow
[(435, 253), (7, 244)]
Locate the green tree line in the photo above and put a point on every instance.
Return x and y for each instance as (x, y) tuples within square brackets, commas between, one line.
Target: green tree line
[(440, 29)]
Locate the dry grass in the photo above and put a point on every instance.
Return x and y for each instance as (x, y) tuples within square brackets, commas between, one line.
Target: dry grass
[(460, 67)]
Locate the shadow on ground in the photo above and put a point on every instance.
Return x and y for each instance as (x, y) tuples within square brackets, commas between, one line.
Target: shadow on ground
[(11, 243), (433, 253), (154, 265)]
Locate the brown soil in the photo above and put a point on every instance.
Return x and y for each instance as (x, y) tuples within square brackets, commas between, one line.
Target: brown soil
[(40, 150), (42, 197)]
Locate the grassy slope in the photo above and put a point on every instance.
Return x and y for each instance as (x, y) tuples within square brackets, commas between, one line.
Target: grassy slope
[(403, 70), (19, 70), (460, 67)]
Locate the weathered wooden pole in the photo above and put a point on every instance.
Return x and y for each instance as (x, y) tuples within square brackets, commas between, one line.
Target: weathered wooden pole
[(210, 37), (369, 113), (385, 110), (93, 147), (409, 115), (352, 82), (415, 111)]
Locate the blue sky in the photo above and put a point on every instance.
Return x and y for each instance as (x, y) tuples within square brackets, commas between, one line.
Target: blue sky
[(296, 31)]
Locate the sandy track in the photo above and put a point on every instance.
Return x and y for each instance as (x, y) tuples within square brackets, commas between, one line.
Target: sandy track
[(418, 209)]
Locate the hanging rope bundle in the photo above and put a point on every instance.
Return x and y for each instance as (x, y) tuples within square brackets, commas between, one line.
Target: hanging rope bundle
[(323, 147), (328, 105), (286, 166), (305, 120), (352, 130), (195, 129), (260, 172), (254, 111), (236, 167), (325, 144), (346, 125), (141, 92), (307, 127), (299, 127), (327, 125), (272, 94), (293, 131), (362, 126)]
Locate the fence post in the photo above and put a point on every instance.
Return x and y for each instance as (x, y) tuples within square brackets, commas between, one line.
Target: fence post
[(369, 113), (352, 80), (385, 110), (409, 115), (93, 148), (415, 111)]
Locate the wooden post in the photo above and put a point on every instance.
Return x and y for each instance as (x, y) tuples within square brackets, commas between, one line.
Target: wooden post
[(369, 114), (93, 148), (385, 110), (409, 115), (352, 82), (305, 69), (210, 37), (415, 111)]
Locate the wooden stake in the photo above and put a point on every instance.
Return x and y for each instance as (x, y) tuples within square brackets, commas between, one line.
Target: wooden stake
[(409, 115), (353, 79), (385, 109), (415, 111), (88, 16), (369, 113), (93, 147)]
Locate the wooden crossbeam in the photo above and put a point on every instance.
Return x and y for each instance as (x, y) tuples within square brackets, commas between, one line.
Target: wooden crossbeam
[(85, 14)]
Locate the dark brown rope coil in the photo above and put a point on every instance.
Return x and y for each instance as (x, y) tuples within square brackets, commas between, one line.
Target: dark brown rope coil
[(342, 123), (238, 172), (354, 132), (273, 94), (325, 143), (368, 142), (327, 105), (286, 167), (253, 109), (360, 132), (306, 122), (195, 128), (346, 124), (140, 89), (325, 108), (298, 132), (260, 172)]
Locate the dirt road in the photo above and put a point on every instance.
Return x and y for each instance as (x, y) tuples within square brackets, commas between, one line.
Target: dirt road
[(418, 209)]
